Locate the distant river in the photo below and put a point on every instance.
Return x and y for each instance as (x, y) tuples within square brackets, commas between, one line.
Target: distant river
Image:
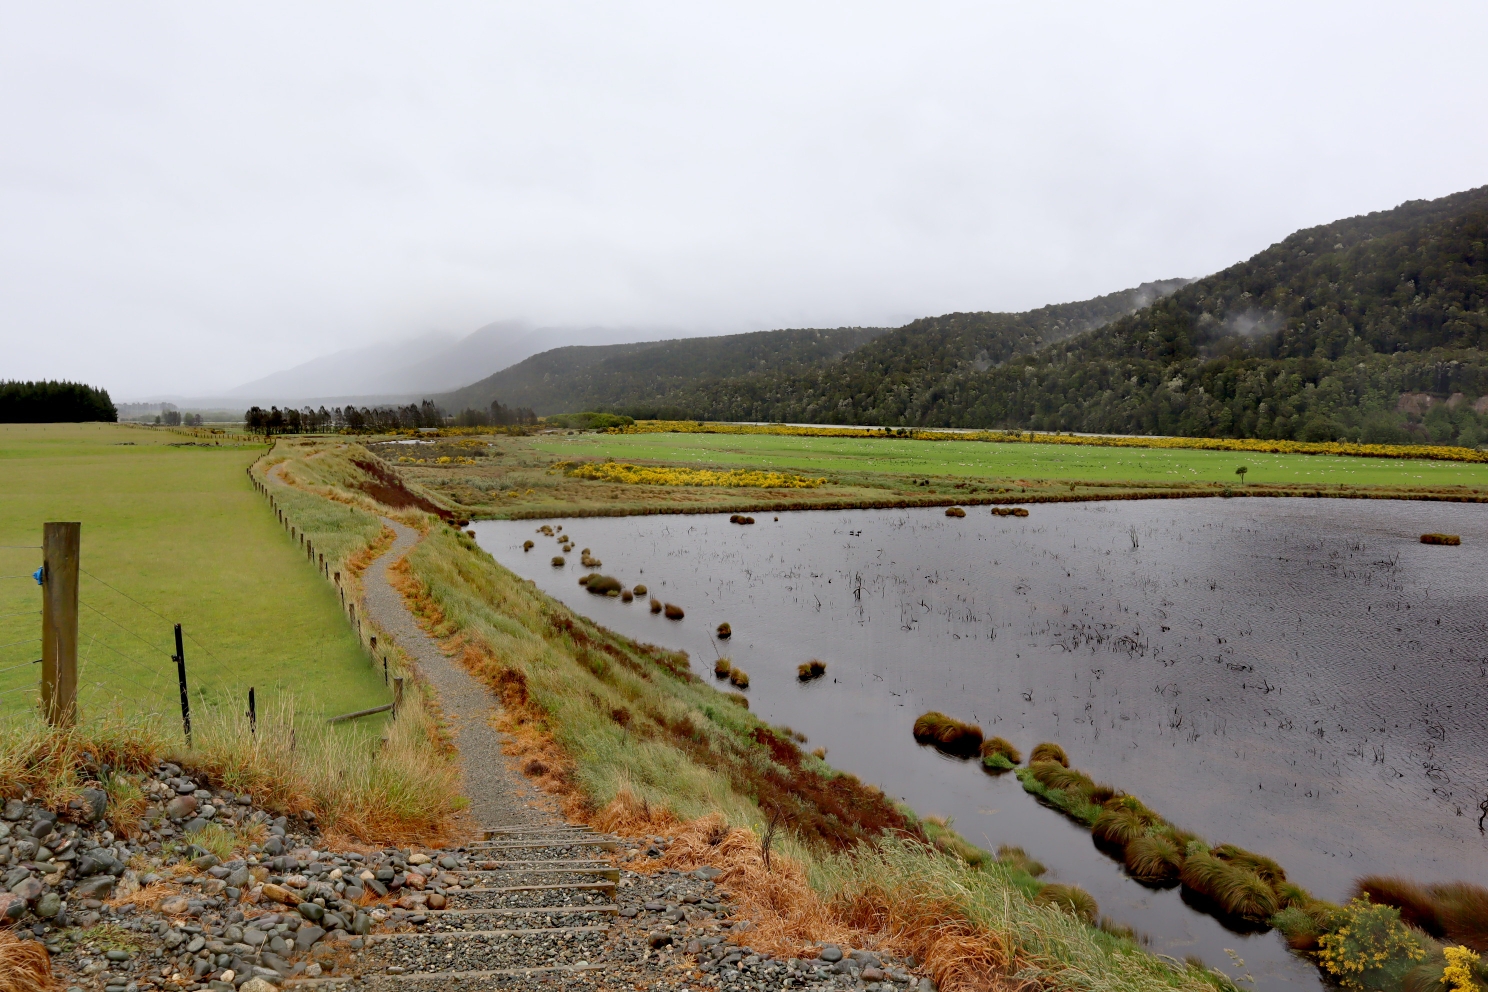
[(1300, 677)]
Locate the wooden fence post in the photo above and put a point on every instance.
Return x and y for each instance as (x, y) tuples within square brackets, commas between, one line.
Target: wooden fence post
[(61, 546)]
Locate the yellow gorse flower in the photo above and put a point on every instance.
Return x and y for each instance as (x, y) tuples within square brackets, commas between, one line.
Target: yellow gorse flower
[(1458, 974), (1372, 937), (1435, 452), (649, 475)]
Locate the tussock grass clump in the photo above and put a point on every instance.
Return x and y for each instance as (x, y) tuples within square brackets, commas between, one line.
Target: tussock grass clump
[(737, 697), (948, 735), (1070, 898), (738, 678), (655, 606), (955, 511), (1121, 821), (739, 518), (527, 545), (813, 669), (1048, 751), (1016, 857), (1234, 889), (1010, 511), (722, 667), (639, 590), (558, 561), (1155, 859), (672, 611), (1453, 911), (725, 631), (626, 596), (1450, 539), (603, 585), (999, 755)]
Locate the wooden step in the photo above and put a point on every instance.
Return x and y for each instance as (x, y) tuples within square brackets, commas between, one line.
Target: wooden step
[(608, 843), (608, 908), (535, 888), (613, 874), (435, 935)]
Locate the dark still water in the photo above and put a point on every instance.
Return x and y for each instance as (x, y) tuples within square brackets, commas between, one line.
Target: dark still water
[(1300, 677)]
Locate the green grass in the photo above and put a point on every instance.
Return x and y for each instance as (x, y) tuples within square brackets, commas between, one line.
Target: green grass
[(1014, 461), (176, 531)]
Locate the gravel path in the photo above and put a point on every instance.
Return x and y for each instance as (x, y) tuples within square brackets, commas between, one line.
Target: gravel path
[(498, 796)]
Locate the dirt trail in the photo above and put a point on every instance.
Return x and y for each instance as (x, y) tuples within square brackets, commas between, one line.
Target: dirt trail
[(498, 796)]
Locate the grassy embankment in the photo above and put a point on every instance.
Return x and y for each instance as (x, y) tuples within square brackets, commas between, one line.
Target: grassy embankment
[(173, 531), (627, 735), (515, 477)]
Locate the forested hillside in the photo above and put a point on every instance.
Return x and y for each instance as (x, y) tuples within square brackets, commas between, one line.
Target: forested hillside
[(908, 375), (1371, 328), (646, 375)]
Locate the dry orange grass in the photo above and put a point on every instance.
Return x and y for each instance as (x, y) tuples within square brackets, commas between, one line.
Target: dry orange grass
[(792, 919), (25, 966)]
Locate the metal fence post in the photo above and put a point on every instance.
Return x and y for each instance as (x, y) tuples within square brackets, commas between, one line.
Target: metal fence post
[(181, 677)]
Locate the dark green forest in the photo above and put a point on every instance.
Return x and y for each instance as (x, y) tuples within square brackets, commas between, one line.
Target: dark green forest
[(53, 403), (629, 376), (1373, 328)]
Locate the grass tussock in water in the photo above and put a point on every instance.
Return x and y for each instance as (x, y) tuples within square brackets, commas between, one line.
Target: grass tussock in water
[(1448, 539), (1154, 859), (655, 606), (639, 590), (722, 667), (740, 518), (1234, 889), (1016, 857), (527, 545), (724, 631), (558, 561), (1048, 751), (1010, 511), (603, 585), (955, 511), (738, 678), (672, 611), (813, 669), (999, 754), (948, 735)]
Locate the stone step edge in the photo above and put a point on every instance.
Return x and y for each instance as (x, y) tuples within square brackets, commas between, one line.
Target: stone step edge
[(608, 907), (606, 871), (534, 888), (377, 938), (514, 831), (442, 975), (591, 862), (606, 843)]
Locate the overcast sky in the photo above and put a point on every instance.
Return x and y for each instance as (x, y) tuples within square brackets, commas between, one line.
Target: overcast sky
[(195, 194)]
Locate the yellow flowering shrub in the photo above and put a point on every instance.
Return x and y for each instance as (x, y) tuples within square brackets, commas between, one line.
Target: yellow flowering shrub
[(1370, 940), (1436, 452), (1458, 974), (650, 475)]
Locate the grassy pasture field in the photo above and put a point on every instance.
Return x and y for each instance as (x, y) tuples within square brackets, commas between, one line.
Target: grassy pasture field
[(970, 459), (172, 531)]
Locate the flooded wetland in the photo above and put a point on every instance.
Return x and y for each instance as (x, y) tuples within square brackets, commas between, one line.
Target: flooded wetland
[(1302, 678)]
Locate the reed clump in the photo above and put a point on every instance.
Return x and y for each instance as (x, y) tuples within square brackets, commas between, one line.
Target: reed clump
[(1121, 821), (725, 631), (740, 518), (737, 697), (527, 545), (738, 678), (722, 667), (1154, 859), (626, 596), (1016, 857), (558, 561), (655, 606), (639, 590), (1048, 751), (1010, 511), (546, 529), (955, 511), (813, 669), (999, 755), (948, 735), (1453, 911), (1450, 539), (25, 965), (672, 611)]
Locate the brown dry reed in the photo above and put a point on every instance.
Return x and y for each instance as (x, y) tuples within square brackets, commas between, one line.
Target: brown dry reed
[(25, 965), (1048, 751), (1450, 539), (813, 669), (948, 735), (1453, 911)]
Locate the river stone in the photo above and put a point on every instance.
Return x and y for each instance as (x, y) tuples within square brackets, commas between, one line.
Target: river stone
[(831, 953), (180, 807), (206, 861), (27, 890), (96, 887), (14, 809), (12, 906), (95, 802), (175, 906), (306, 936), (238, 878), (312, 912), (257, 984)]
